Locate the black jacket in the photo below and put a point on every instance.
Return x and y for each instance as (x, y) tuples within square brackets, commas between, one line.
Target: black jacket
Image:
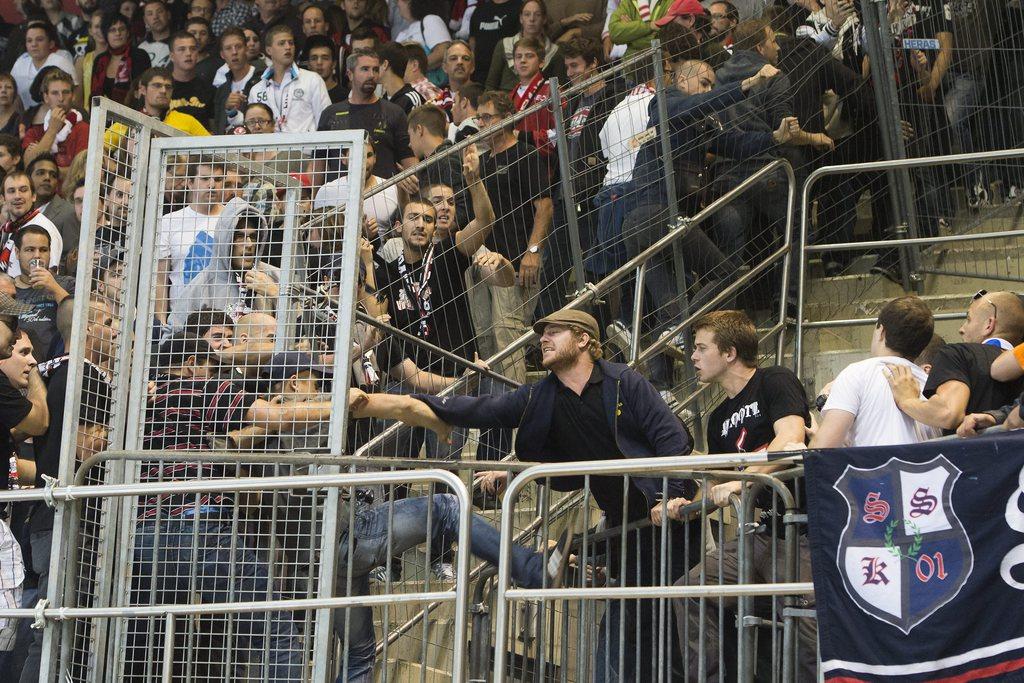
[(220, 98), (642, 423)]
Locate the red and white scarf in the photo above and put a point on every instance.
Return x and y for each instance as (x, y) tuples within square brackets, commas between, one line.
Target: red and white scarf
[(524, 95), (73, 116)]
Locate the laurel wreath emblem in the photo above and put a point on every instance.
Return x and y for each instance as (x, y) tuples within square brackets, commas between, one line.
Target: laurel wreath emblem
[(914, 548)]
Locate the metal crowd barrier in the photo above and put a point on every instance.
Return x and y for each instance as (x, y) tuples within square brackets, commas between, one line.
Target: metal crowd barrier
[(559, 640), (46, 612), (928, 252)]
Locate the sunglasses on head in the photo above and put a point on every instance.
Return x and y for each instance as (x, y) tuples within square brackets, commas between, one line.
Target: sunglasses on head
[(983, 295)]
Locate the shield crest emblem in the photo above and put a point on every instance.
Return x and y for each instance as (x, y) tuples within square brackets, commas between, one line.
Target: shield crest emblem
[(904, 553)]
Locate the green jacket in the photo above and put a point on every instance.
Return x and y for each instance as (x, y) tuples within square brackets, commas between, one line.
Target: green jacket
[(627, 28)]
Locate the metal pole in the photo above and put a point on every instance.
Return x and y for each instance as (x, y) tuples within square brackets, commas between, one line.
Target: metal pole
[(567, 186), (879, 39), (638, 312), (168, 672)]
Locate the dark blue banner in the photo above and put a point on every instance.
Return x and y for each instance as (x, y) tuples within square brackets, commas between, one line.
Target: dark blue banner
[(918, 560)]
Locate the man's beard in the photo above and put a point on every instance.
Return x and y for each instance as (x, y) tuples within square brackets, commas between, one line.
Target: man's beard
[(564, 358)]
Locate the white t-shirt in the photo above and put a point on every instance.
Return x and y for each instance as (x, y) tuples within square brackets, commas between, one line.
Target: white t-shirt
[(380, 205), (623, 133), (863, 390), (185, 237), (158, 51), (24, 72), (430, 32)]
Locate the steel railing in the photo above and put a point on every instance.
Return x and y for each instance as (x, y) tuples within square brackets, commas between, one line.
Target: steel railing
[(903, 244), (58, 495)]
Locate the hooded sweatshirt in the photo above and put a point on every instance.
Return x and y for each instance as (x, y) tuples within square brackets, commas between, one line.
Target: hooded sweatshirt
[(219, 285)]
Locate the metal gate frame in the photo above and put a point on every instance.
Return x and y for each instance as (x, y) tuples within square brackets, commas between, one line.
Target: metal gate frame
[(70, 496), (61, 582), (911, 246)]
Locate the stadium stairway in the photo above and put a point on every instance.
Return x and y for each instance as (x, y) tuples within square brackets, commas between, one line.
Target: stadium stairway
[(992, 264)]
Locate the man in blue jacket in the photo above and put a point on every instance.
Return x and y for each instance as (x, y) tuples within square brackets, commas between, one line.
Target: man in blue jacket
[(585, 409)]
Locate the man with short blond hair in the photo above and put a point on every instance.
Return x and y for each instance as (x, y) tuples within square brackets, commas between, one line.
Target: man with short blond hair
[(586, 408), (64, 131)]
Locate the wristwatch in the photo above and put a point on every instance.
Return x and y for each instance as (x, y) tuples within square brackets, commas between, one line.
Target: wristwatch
[(534, 249)]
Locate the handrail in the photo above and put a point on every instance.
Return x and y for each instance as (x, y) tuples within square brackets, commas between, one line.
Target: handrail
[(805, 249), (662, 467), (294, 458)]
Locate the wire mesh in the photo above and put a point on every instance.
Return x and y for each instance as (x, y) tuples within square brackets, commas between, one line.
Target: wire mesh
[(615, 546), (96, 371)]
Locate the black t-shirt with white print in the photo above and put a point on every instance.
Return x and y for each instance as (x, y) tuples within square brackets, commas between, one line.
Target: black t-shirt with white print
[(449, 325), (746, 422)]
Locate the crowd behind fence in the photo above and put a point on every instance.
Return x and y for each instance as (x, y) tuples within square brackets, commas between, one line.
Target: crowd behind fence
[(226, 292)]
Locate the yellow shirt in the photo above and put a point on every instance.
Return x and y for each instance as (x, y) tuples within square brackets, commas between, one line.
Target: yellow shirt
[(186, 123)]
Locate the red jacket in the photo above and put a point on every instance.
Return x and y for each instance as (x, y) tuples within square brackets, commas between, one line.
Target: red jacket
[(66, 151)]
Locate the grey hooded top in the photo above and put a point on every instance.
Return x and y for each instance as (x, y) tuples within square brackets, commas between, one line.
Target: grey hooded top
[(217, 286)]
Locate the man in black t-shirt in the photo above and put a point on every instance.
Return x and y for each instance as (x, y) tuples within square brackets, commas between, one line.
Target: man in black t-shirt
[(960, 381), (492, 20), (191, 95), (425, 285), (185, 409), (765, 410), (385, 122), (517, 179)]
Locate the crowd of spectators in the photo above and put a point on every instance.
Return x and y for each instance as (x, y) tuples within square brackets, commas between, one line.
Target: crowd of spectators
[(468, 251)]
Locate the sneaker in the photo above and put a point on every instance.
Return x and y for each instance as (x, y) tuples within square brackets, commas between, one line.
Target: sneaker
[(977, 196), (443, 571), (676, 347), (379, 575), (668, 397), (558, 555), (1014, 194), (619, 336), (834, 269)]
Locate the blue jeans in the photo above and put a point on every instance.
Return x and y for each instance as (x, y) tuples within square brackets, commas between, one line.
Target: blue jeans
[(168, 570), (610, 251), (962, 94), (408, 530), (41, 542)]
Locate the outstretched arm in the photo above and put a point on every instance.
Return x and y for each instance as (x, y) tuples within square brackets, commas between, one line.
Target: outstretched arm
[(407, 409)]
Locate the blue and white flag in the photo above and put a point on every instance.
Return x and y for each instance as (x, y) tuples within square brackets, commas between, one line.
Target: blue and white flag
[(918, 560)]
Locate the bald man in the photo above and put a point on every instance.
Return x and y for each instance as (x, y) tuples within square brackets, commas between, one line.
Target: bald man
[(960, 382), (254, 335)]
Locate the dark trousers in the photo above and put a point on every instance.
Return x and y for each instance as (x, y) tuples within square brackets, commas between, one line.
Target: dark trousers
[(720, 638), (710, 268), (639, 622)]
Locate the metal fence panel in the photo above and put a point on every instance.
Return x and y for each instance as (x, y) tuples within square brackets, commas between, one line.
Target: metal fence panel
[(107, 272), (680, 601)]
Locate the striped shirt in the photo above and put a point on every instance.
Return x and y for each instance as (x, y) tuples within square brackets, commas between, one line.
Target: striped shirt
[(184, 414)]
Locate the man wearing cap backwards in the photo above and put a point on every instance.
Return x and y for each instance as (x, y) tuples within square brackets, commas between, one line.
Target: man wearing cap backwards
[(585, 409)]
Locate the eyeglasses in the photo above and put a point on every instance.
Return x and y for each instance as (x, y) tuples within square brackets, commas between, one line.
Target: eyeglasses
[(486, 118), (983, 295), (252, 123)]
